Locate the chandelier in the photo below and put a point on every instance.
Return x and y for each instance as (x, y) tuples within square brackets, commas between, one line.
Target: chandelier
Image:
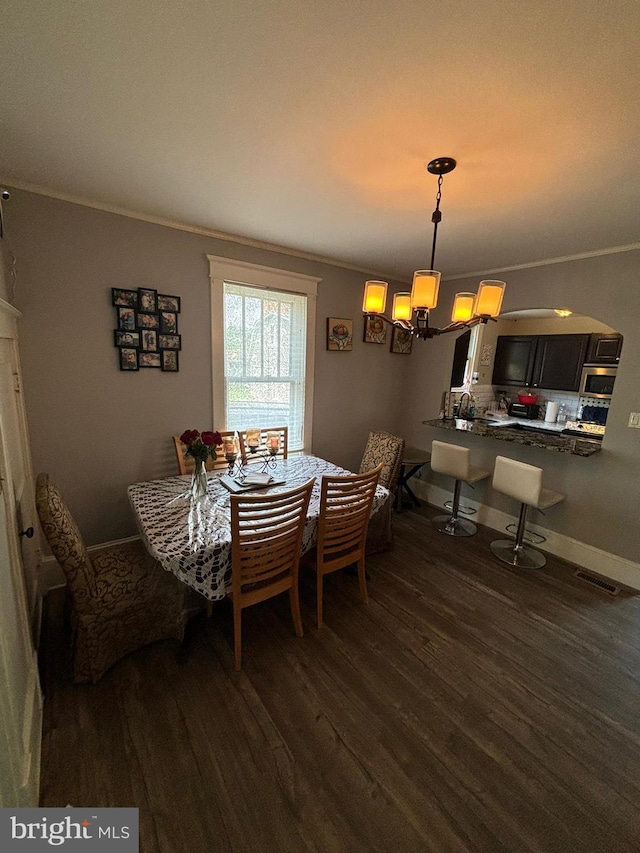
[(469, 309)]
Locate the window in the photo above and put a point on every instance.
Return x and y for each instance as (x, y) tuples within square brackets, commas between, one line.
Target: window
[(263, 327), (463, 359)]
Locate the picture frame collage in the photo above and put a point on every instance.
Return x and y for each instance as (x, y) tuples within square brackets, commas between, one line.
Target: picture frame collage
[(146, 333)]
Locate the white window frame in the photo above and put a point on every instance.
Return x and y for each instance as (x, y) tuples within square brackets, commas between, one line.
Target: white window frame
[(469, 367), (223, 270)]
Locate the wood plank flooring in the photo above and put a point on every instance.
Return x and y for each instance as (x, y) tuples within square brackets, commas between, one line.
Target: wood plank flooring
[(469, 707)]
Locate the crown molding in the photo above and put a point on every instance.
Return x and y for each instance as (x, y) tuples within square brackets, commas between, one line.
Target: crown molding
[(596, 253), (191, 229), (286, 250)]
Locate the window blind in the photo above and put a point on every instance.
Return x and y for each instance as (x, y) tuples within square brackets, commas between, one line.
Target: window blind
[(264, 359)]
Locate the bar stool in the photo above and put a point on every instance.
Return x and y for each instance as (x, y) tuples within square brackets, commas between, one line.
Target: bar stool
[(524, 483), (454, 461)]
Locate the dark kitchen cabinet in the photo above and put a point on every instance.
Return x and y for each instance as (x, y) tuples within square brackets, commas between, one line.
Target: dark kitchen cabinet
[(558, 362), (515, 355), (604, 349), (540, 361)]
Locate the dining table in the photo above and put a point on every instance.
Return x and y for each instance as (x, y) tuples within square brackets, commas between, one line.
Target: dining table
[(191, 537)]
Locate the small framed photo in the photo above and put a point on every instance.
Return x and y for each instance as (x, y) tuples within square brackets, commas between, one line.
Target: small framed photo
[(149, 340), (168, 322), (149, 359), (148, 321), (375, 330), (126, 339), (170, 360), (147, 300), (128, 359), (128, 298), (126, 319), (168, 303), (169, 342), (339, 334), (401, 340)]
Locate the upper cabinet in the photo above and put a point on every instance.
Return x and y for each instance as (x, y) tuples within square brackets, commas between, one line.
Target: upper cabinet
[(604, 349), (558, 362), (540, 361), (515, 355)]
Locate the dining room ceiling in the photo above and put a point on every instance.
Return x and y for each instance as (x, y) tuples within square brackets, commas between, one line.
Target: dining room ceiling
[(308, 124)]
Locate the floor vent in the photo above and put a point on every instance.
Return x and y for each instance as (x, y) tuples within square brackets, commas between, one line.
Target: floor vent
[(611, 588)]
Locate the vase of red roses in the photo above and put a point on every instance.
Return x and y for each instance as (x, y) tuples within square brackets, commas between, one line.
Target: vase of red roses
[(200, 446)]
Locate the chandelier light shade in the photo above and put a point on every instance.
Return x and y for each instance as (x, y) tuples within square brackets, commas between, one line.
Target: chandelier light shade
[(489, 298), (469, 309), (375, 297), (401, 307), (463, 305), (424, 293)]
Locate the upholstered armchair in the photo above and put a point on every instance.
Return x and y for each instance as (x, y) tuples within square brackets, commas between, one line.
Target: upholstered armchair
[(386, 449), (119, 597)]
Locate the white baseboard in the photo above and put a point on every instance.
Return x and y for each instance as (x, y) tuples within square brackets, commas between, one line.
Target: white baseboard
[(586, 556)]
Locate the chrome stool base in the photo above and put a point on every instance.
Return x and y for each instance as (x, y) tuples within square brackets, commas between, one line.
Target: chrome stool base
[(465, 509), (454, 526), (521, 556)]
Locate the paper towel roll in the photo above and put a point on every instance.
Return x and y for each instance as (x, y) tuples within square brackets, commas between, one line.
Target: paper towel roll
[(552, 412)]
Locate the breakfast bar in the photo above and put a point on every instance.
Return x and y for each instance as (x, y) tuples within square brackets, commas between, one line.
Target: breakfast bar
[(517, 433)]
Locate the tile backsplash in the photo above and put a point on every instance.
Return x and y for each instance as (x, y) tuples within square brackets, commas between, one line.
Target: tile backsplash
[(485, 398)]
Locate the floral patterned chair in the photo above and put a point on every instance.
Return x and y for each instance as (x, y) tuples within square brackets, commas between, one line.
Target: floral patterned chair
[(383, 447), (120, 598)]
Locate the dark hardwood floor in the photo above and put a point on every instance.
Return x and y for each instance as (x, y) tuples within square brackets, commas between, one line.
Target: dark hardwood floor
[(469, 707)]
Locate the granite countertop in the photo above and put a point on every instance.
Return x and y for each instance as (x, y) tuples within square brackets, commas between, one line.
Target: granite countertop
[(519, 432)]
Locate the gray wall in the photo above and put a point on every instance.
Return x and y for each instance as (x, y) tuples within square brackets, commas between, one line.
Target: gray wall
[(96, 429), (603, 491)]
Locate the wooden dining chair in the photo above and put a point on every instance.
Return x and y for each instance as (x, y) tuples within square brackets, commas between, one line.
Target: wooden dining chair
[(186, 463), (248, 457), (266, 539), (345, 509)]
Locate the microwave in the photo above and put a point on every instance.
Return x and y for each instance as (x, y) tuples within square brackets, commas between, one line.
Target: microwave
[(597, 382)]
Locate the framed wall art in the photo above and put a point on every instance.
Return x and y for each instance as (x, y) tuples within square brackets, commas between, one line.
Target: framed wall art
[(149, 359), (401, 340), (375, 330), (128, 358), (146, 333), (169, 360), (339, 334)]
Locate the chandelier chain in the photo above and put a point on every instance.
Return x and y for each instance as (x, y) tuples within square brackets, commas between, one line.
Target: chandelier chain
[(435, 218)]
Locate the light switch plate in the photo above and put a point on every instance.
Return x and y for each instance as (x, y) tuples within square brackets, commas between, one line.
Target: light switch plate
[(634, 420)]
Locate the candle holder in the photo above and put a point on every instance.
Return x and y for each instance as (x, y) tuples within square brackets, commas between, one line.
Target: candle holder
[(230, 451), (231, 462), (269, 460)]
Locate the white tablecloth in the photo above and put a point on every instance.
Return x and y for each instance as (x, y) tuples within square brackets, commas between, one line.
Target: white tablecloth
[(192, 539)]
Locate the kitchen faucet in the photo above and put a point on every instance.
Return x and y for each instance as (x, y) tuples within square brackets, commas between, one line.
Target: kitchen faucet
[(465, 413)]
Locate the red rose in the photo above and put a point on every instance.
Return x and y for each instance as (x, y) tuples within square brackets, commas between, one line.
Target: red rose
[(189, 436), (211, 439)]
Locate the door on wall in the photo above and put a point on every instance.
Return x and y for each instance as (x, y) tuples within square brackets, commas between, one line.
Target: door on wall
[(20, 695)]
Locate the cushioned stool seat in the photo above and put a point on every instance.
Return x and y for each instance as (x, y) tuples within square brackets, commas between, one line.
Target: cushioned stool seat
[(524, 483), (455, 461)]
